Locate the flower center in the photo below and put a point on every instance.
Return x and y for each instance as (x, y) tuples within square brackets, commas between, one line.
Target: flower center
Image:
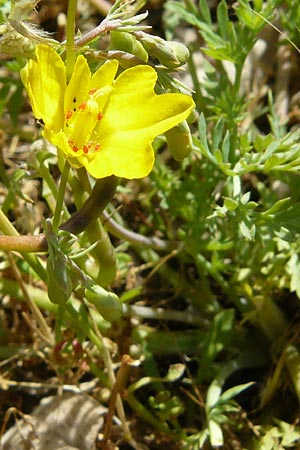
[(80, 123)]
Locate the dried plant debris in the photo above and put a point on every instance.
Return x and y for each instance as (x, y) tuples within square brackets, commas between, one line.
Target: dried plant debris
[(68, 421)]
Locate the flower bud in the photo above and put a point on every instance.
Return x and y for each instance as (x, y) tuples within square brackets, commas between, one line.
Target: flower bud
[(171, 54), (107, 303), (126, 42), (59, 284), (179, 141)]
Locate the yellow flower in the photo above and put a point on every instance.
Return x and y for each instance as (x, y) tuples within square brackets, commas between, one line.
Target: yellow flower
[(105, 124)]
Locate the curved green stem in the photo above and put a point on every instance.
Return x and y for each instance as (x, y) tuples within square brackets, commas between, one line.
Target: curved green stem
[(134, 238)]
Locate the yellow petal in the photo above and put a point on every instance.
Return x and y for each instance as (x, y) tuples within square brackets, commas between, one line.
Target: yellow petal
[(102, 97), (134, 105), (60, 139), (45, 81), (78, 87), (105, 75), (123, 154), (134, 116)]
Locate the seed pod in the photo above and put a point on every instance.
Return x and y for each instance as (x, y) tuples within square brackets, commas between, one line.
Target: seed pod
[(107, 303), (105, 255), (179, 141)]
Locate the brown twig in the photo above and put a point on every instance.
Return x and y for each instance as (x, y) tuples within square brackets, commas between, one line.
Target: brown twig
[(118, 386)]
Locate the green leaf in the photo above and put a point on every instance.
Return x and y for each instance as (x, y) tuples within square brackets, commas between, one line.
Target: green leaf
[(290, 433), (220, 333), (175, 372), (247, 230), (204, 9), (279, 206), (215, 434), (261, 142), (226, 27), (226, 146), (234, 391), (294, 269), (223, 21), (217, 133), (249, 17), (230, 203)]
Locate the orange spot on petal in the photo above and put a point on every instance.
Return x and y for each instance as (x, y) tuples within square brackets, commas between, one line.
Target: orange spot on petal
[(92, 91), (99, 117), (85, 149), (69, 115), (82, 106), (74, 148)]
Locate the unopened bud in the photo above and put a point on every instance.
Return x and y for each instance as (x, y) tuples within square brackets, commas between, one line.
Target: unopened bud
[(169, 53), (59, 284), (179, 141), (126, 42), (107, 303)]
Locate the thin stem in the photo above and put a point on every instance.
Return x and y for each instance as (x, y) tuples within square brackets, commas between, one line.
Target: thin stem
[(70, 49), (51, 193), (119, 385), (143, 413), (45, 330), (24, 244), (112, 380), (6, 227), (204, 264), (282, 87), (103, 27), (60, 197), (75, 312), (201, 106), (146, 312), (86, 386), (9, 230), (134, 238)]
